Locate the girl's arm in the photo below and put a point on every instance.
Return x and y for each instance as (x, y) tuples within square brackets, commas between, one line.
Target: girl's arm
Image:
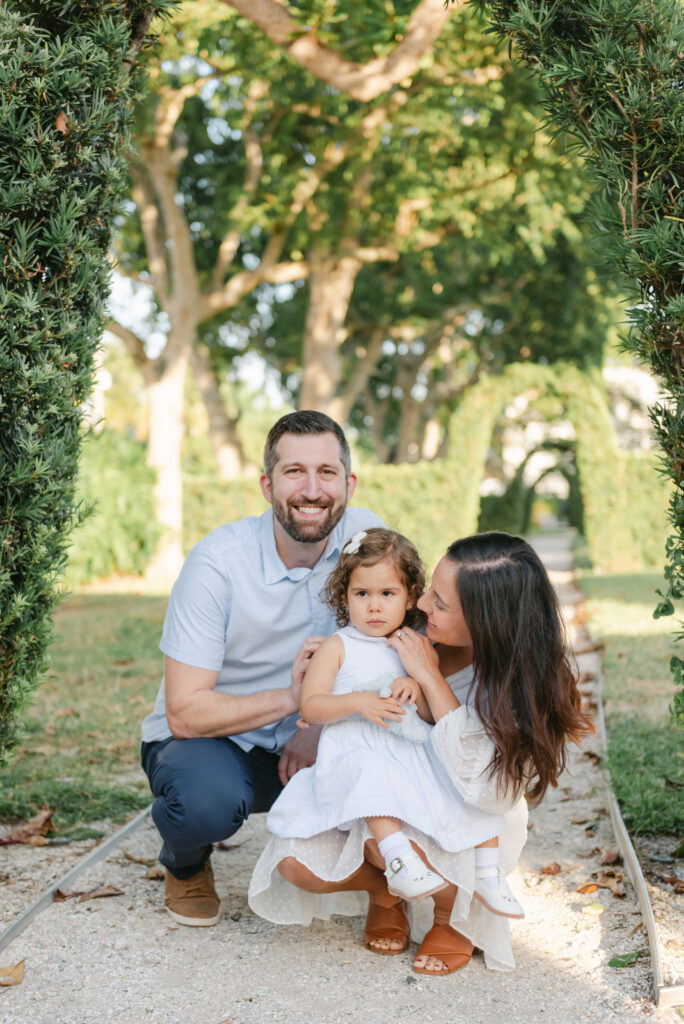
[(320, 705), (421, 661)]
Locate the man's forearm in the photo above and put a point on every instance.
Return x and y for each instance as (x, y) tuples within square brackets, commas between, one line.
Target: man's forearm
[(208, 713)]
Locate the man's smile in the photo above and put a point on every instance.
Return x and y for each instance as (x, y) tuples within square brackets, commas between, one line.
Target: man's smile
[(310, 511)]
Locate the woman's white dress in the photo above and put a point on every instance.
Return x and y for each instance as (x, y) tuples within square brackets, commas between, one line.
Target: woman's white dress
[(439, 790)]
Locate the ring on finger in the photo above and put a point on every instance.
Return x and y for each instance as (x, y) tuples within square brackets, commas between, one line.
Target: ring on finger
[(401, 635)]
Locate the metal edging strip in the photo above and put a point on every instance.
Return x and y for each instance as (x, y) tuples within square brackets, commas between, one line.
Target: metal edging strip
[(665, 995), (46, 898)]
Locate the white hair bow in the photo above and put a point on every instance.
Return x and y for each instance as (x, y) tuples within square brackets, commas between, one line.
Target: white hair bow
[(354, 544)]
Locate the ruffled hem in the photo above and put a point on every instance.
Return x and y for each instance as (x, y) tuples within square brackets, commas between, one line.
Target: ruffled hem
[(336, 854)]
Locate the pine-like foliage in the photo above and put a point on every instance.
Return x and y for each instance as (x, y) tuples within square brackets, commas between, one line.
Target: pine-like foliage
[(614, 77), (66, 84)]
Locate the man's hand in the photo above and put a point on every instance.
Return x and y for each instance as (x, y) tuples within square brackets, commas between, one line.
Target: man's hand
[(300, 665), (299, 752)]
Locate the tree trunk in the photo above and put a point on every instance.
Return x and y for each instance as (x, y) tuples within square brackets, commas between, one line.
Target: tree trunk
[(408, 425), (165, 397), (331, 283), (431, 439), (223, 434)]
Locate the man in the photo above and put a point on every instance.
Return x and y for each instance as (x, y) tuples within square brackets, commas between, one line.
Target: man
[(222, 739)]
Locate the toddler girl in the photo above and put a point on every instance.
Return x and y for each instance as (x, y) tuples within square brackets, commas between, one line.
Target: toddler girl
[(368, 780)]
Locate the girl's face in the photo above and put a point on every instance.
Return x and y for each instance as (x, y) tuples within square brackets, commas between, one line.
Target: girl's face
[(445, 622), (377, 598)]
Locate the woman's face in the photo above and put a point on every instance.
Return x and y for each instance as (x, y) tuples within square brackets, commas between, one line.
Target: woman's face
[(445, 622)]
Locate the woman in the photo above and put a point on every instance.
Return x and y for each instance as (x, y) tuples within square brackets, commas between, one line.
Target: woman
[(494, 670)]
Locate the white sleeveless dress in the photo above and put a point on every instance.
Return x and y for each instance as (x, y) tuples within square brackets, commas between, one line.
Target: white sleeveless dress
[(363, 770)]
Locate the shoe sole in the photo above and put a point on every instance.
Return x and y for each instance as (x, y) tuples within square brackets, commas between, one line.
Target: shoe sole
[(499, 913), (194, 922), (420, 895)]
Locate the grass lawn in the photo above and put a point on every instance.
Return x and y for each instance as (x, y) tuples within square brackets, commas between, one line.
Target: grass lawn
[(81, 751), (646, 753)]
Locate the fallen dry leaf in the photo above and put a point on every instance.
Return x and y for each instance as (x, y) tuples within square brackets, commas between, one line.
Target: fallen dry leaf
[(610, 857), (223, 845), (122, 661), (13, 975), (675, 881), (155, 874), (99, 892), (635, 929), (147, 861), (61, 123), (37, 841), (592, 756), (587, 887), (39, 825), (579, 821), (60, 896), (551, 869)]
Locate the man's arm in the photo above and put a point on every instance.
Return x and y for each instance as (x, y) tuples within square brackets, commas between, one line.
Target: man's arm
[(194, 708)]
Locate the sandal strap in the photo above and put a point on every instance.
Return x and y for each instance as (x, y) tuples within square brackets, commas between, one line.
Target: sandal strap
[(443, 942), (386, 923)]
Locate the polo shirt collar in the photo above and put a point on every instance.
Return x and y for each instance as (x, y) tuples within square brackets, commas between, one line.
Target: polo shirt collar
[(275, 569)]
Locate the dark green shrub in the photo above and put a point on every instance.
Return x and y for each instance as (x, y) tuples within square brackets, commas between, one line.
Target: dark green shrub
[(120, 534), (65, 94)]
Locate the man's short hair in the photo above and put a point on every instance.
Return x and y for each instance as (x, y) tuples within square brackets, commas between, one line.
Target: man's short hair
[(304, 421)]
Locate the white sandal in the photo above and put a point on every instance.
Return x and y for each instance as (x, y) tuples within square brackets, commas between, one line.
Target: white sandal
[(499, 900), (418, 880)]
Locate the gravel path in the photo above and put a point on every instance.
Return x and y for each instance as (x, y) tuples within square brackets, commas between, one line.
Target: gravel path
[(123, 960)]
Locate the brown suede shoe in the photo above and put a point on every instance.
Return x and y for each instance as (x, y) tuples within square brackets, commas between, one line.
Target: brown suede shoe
[(193, 901)]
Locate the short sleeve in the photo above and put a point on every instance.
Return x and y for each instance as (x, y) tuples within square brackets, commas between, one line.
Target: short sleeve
[(462, 746), (197, 617)]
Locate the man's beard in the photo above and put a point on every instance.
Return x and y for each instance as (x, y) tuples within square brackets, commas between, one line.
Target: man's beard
[(308, 533)]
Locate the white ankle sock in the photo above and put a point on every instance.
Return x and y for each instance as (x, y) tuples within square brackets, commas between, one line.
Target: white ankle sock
[(393, 846), (487, 857)]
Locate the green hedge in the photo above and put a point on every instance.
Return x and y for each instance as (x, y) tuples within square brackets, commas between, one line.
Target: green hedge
[(120, 534)]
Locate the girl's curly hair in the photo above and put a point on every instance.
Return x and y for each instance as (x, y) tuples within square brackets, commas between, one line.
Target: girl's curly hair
[(376, 546)]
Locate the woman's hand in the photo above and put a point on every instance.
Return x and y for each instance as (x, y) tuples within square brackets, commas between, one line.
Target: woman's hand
[(377, 709), (418, 656), (404, 689)]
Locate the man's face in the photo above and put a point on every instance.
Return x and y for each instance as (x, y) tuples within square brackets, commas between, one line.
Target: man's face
[(307, 488)]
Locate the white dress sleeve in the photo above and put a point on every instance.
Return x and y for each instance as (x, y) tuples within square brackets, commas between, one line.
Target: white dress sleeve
[(462, 746)]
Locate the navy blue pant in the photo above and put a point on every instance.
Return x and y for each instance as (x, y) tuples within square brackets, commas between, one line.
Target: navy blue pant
[(204, 789)]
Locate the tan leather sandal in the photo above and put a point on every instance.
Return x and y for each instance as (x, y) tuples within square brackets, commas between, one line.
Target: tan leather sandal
[(447, 945), (388, 923)]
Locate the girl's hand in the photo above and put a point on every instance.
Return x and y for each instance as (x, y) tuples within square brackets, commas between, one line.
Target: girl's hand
[(417, 654), (405, 689), (377, 709)]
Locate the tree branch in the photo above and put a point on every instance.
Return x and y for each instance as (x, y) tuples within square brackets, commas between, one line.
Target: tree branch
[(245, 281), (171, 106), (136, 348), (362, 81), (149, 219), (255, 162)]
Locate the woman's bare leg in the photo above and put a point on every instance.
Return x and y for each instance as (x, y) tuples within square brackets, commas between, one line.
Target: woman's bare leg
[(368, 878)]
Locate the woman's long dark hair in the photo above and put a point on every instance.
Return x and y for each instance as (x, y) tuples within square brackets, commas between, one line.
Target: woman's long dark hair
[(526, 687)]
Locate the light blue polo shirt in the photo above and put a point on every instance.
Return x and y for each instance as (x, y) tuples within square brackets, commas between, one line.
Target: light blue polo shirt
[(235, 607)]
